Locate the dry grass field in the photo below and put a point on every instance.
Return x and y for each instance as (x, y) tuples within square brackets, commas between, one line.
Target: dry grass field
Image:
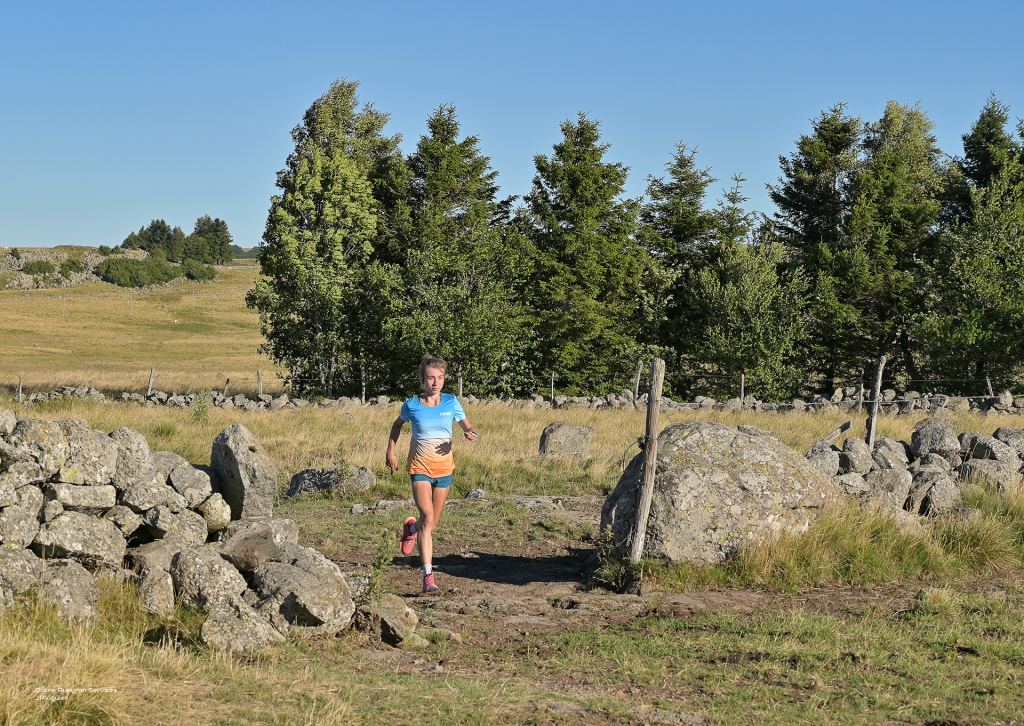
[(858, 621)]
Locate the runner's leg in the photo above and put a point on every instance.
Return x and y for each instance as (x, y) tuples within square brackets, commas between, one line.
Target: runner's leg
[(431, 509)]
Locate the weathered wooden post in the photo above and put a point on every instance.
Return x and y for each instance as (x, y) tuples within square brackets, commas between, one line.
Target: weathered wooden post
[(860, 394), (20, 379), (636, 383), (460, 381), (259, 383), (643, 509), (226, 384), (989, 382), (552, 388), (743, 386), (152, 375), (876, 394)]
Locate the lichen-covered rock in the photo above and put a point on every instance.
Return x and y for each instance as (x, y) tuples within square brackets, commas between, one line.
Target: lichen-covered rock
[(852, 484), (69, 475), (989, 447), (388, 618), (233, 625), (22, 473), (86, 499), (715, 489), (7, 422), (302, 588), (7, 494), (156, 592), (74, 535), (67, 585), (855, 458), (146, 494), (1014, 438), (126, 520), (216, 512), (332, 478), (192, 484), (155, 555), (164, 462), (51, 510), (943, 496), (134, 460), (1000, 474), (19, 527), (186, 526), (202, 578), (32, 499), (43, 442), (176, 503), (285, 530), (936, 437), (890, 454), (824, 457), (245, 472), (565, 439), (889, 488), (252, 547), (19, 571), (90, 451)]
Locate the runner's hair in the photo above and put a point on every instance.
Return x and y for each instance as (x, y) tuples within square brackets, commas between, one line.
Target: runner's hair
[(430, 361)]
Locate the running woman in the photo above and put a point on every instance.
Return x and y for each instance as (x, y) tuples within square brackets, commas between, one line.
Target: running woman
[(430, 458)]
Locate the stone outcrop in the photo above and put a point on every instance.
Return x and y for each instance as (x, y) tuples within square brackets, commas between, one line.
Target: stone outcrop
[(388, 619), (234, 626), (74, 535), (332, 478), (716, 489), (565, 439), (245, 472), (69, 587), (202, 578)]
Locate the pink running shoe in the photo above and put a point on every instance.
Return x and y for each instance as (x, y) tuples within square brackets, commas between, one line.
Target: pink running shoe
[(428, 583), (407, 540)]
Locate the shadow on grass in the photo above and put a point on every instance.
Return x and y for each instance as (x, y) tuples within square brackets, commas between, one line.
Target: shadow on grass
[(511, 569)]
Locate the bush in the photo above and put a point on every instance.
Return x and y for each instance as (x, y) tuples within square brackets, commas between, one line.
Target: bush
[(195, 270), (16, 254), (70, 266), (105, 250), (137, 273), (38, 267)]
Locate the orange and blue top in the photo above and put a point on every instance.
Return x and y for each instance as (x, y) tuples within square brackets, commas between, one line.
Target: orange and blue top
[(430, 451)]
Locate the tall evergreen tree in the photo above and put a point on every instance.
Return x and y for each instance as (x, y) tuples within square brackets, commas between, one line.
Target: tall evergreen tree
[(459, 300), (321, 305), (990, 146), (586, 262)]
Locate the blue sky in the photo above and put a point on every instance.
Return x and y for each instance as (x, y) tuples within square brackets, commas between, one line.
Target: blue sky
[(113, 114)]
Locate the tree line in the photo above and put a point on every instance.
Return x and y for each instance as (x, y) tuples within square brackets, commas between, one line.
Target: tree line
[(880, 244), (210, 242)]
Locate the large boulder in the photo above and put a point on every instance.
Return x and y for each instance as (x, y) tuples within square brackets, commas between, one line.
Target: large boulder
[(91, 452), (202, 578), (995, 473), (989, 447), (43, 442), (889, 489), (234, 626), (146, 494), (191, 483), (251, 547), (824, 457), (164, 462), (186, 527), (134, 459), (126, 520), (19, 571), (156, 592), (96, 500), (18, 527), (332, 478), (21, 474), (67, 585), (389, 619), (245, 472), (890, 454), (715, 489), (855, 458), (79, 536), (565, 439), (1014, 438), (934, 436), (216, 512), (7, 422), (301, 588)]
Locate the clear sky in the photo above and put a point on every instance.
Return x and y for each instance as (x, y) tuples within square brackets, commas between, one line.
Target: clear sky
[(113, 114)]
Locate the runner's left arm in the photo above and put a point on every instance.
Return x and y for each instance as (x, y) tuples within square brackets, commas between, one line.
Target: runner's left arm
[(467, 429)]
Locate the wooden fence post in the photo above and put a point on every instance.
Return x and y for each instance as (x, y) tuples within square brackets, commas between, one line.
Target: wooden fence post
[(636, 383), (152, 375), (860, 394), (743, 386), (989, 382), (259, 383), (460, 382), (226, 384), (20, 379), (552, 387), (643, 509), (876, 392)]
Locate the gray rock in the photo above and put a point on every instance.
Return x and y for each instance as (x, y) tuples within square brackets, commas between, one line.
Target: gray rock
[(52, 510), (155, 555), (476, 494), (43, 442), (156, 592), (86, 499), (996, 473), (989, 447), (18, 527), (145, 495), (890, 454), (889, 489), (32, 499), (332, 478), (285, 530), (852, 484), (824, 457), (934, 436), (67, 585), (938, 462), (191, 483), (216, 512), (8, 496), (234, 626), (74, 535), (69, 475), (919, 488), (943, 497), (565, 439), (176, 503), (164, 462), (1014, 438), (20, 570), (134, 460), (202, 578), (7, 422), (855, 458), (967, 440), (716, 489), (125, 519), (186, 526), (252, 547), (91, 452), (246, 473), (389, 619), (755, 431), (22, 474)]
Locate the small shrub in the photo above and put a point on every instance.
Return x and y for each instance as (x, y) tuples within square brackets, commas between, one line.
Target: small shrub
[(70, 266), (196, 270), (105, 250), (201, 406), (16, 254), (137, 273), (38, 267), (380, 565)]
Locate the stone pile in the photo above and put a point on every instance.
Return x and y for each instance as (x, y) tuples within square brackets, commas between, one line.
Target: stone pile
[(923, 477), (77, 503)]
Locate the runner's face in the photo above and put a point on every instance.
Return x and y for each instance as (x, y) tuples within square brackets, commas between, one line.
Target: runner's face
[(433, 380)]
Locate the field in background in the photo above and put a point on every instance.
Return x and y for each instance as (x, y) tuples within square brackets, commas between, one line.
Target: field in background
[(111, 344)]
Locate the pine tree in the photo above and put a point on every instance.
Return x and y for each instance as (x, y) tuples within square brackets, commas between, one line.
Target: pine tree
[(586, 262), (989, 147)]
